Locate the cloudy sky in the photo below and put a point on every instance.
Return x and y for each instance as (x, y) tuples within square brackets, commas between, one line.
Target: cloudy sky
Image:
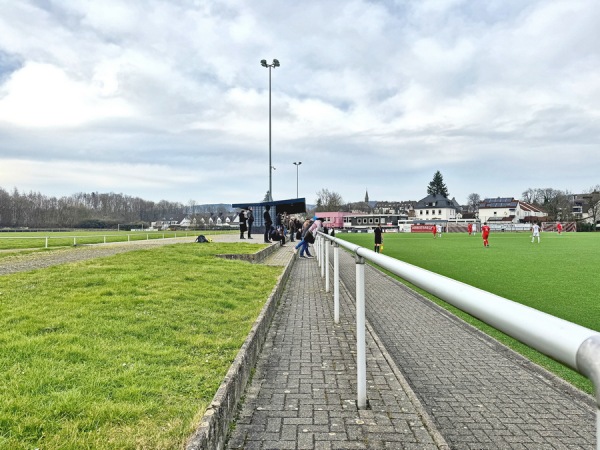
[(166, 99)]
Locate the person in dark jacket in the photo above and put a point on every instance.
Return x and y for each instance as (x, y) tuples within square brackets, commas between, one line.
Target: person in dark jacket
[(250, 217), (292, 228), (243, 224), (268, 223), (378, 238)]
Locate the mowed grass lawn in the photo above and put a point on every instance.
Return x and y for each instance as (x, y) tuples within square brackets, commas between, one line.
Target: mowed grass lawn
[(559, 276), (126, 351)]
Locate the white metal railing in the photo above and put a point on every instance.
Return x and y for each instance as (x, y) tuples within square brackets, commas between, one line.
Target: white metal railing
[(121, 237), (570, 344)]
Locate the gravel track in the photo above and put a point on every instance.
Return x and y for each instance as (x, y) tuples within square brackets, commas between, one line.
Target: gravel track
[(40, 260)]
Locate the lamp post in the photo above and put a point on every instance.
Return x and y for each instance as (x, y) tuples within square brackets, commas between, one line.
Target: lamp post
[(275, 63), (297, 164)]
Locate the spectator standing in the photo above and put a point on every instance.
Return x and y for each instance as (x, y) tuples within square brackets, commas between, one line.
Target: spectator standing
[(292, 228), (250, 218), (243, 224), (268, 223)]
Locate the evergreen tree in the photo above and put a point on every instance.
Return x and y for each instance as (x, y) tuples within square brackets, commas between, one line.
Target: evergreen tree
[(437, 186)]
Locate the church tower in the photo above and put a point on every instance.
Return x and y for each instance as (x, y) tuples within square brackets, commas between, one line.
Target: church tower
[(366, 196)]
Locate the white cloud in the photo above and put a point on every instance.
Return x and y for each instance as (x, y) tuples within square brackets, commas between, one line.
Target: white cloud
[(170, 96), (41, 95)]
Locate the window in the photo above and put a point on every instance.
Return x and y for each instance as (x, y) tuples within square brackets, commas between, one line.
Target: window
[(376, 220), (427, 212), (440, 212), (370, 220)]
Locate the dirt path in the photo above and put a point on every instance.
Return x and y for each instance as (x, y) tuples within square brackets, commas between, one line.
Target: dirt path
[(39, 260)]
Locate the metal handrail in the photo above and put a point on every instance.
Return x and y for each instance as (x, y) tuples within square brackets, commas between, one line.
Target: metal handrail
[(571, 344), (103, 236)]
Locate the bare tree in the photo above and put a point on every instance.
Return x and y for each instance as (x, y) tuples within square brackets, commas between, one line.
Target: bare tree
[(473, 201), (528, 195), (329, 201)]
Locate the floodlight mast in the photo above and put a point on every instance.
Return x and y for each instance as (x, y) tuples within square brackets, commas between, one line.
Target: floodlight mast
[(263, 62), (297, 164)]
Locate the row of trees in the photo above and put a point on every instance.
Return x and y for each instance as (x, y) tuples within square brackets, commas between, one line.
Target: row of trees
[(83, 210)]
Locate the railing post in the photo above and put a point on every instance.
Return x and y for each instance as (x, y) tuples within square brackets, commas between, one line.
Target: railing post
[(361, 352), (336, 283), (321, 256), (588, 363), (326, 244), (46, 242), (128, 238), (105, 239), (74, 241)]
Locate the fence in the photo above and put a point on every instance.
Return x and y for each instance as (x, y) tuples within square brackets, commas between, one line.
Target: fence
[(45, 241), (570, 344)]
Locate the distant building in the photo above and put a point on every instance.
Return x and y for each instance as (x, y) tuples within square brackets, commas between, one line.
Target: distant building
[(345, 220), (584, 206), (436, 207), (386, 207), (508, 209)]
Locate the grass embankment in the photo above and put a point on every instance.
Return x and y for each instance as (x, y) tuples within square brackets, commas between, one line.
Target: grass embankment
[(558, 276), (122, 352)]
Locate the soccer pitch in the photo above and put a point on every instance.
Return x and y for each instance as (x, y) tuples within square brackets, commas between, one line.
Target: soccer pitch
[(558, 276)]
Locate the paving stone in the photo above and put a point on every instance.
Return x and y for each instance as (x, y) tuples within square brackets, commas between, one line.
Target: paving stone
[(433, 381)]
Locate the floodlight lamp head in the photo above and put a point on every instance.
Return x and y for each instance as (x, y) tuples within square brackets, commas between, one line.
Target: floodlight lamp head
[(263, 62), (275, 63)]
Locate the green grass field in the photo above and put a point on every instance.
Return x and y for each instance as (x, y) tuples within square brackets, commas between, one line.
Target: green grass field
[(558, 276), (122, 352)]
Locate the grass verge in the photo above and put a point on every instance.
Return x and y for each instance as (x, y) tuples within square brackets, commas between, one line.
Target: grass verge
[(122, 352)]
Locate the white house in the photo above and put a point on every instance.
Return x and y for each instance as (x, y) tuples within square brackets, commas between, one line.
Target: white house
[(436, 207), (507, 209)]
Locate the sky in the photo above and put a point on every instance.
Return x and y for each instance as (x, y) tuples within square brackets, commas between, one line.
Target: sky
[(167, 99)]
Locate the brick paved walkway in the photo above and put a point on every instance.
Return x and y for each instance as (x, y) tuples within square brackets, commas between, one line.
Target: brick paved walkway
[(303, 394), (436, 376)]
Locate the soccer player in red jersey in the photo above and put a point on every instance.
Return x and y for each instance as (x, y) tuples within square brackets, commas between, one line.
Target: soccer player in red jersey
[(470, 228), (559, 227), (434, 231), (485, 233)]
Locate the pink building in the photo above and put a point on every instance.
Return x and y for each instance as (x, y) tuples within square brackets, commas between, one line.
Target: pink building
[(333, 219)]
